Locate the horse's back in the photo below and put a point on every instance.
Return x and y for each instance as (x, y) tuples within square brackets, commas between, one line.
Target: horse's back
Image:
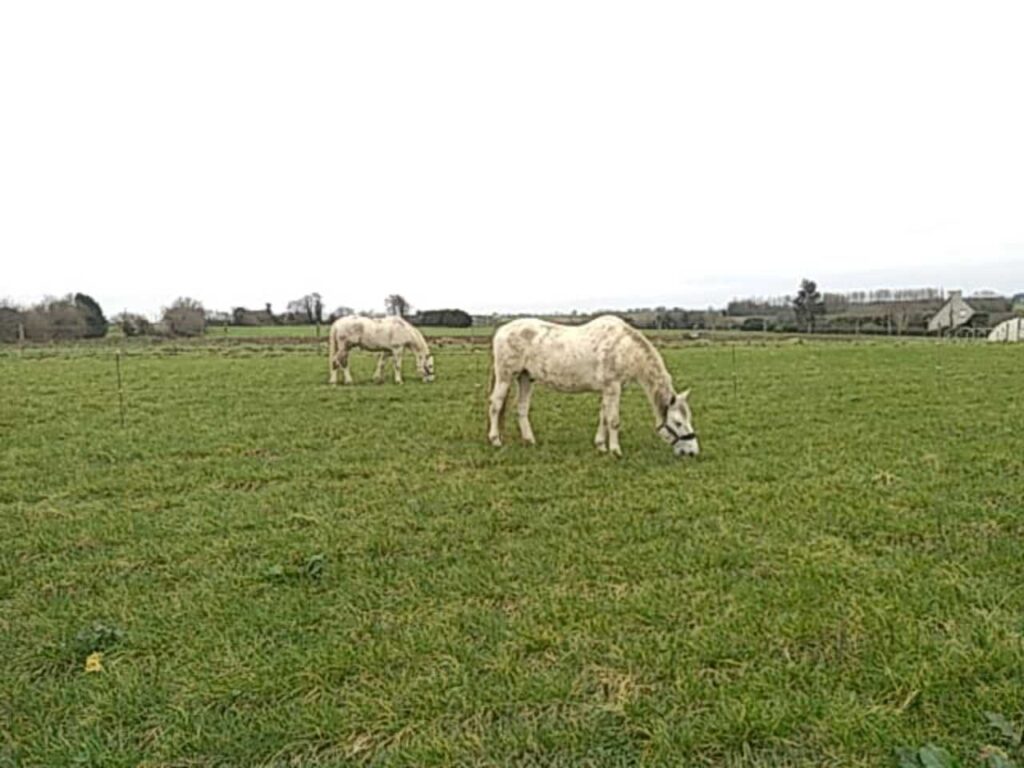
[(569, 357), (376, 332), (534, 331), (348, 327), (357, 330), (524, 327)]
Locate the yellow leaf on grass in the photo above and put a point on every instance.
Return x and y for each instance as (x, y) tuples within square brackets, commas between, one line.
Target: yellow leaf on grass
[(94, 662)]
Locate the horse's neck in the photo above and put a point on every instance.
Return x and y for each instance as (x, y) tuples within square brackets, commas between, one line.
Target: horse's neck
[(655, 379), (417, 342)]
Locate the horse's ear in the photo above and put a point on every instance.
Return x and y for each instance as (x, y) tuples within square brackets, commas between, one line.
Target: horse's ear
[(684, 395), (672, 401)]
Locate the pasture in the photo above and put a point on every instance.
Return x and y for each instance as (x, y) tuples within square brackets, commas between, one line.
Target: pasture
[(278, 573)]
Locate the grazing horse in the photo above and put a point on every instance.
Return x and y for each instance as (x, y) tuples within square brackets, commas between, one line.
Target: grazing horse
[(599, 356), (387, 335)]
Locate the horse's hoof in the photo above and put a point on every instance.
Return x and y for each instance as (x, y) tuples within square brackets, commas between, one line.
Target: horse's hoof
[(616, 452), (601, 447), (496, 442)]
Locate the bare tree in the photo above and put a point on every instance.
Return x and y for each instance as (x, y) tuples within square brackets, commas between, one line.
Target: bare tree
[(395, 304), (897, 317), (310, 307), (55, 318), (185, 317), (808, 304), (836, 303)]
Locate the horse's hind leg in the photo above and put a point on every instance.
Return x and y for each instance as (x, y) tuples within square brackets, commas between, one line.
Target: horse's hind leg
[(523, 408), (601, 438), (497, 408), (610, 409), (396, 361), (343, 364), (378, 375)]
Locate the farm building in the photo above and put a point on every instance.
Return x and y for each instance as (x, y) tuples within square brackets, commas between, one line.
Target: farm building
[(1008, 330), (954, 314), (243, 316)]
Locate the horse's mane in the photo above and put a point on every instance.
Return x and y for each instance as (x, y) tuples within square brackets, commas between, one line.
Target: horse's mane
[(652, 358), (418, 337), (654, 376)]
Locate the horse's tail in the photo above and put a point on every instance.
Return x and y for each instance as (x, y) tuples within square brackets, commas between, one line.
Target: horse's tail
[(491, 381), (332, 349)]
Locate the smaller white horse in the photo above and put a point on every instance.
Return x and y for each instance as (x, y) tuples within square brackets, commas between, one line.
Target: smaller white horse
[(599, 356), (387, 335)]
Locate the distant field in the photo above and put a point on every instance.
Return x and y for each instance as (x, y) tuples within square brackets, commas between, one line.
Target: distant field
[(264, 331), (214, 332), (304, 331), (278, 573)]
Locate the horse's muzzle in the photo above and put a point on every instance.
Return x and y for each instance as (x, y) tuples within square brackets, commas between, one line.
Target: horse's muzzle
[(686, 448), (682, 444)]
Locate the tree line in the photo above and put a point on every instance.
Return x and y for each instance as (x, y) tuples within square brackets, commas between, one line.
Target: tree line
[(79, 316), (75, 316), (900, 311), (835, 302), (882, 311)]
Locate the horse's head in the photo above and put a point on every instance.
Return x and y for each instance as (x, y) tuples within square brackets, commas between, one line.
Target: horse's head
[(426, 366), (676, 426)]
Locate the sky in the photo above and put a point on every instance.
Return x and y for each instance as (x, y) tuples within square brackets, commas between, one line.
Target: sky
[(527, 156)]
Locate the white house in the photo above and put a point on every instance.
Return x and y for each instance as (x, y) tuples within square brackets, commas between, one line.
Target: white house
[(1008, 330), (954, 313)]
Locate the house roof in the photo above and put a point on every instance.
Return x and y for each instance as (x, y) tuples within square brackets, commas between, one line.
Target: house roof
[(954, 313)]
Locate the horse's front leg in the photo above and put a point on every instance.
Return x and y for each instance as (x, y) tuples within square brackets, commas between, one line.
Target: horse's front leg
[(396, 360), (610, 407), (523, 408), (601, 438), (378, 375)]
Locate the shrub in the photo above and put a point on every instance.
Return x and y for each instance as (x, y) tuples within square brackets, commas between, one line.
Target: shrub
[(10, 321), (446, 318), (756, 324), (55, 320), (134, 325), (185, 317), (95, 322)]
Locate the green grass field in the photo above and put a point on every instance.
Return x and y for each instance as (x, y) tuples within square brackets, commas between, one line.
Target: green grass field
[(277, 573)]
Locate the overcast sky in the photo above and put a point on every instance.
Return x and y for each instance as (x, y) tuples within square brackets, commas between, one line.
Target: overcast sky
[(522, 155)]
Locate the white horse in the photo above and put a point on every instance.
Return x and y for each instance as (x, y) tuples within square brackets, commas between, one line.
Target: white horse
[(600, 356), (387, 335)]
